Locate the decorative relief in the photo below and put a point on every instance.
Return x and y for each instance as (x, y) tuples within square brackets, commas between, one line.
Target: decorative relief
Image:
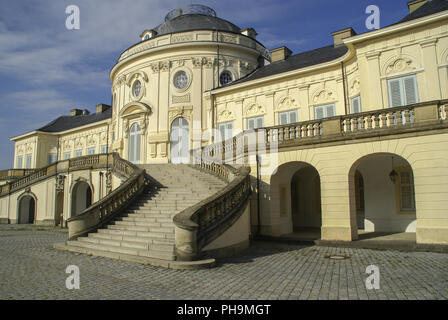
[(29, 147), (184, 112), (323, 96), (126, 128), (228, 38), (286, 103), (119, 81), (155, 67), (355, 87), (182, 38), (20, 150), (143, 124), (60, 183), (165, 66), (246, 66), (253, 110), (91, 141), (398, 64), (181, 99), (136, 75), (78, 143), (225, 115)]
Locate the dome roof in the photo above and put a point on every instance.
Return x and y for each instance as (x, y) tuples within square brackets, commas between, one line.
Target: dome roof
[(194, 17)]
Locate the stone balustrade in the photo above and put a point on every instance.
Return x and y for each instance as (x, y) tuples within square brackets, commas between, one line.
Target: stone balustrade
[(202, 223), (103, 211)]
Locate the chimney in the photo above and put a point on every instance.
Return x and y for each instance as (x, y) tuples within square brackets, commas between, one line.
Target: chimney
[(340, 35), (414, 5), (101, 108), (280, 54), (250, 32), (75, 112)]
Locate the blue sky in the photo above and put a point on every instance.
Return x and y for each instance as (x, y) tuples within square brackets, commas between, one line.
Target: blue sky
[(46, 70)]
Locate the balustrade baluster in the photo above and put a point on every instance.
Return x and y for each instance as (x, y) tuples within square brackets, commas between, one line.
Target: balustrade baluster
[(369, 122), (354, 124), (407, 117)]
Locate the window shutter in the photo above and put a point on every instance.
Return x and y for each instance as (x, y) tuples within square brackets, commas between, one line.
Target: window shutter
[(356, 105), (331, 110), (407, 191), (395, 93), (293, 117), (260, 122), (222, 132), (229, 130), (319, 112), (250, 124), (283, 118), (410, 89)]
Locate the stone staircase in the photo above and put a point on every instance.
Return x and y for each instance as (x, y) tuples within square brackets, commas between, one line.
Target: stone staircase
[(145, 231)]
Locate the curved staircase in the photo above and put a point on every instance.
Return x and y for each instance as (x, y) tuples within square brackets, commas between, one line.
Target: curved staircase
[(145, 231)]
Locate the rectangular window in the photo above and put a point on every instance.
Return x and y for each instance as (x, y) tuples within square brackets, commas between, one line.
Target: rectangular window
[(287, 117), (67, 155), (78, 153), (28, 161), (356, 105), (52, 158), (225, 131), (104, 149), (19, 162), (407, 197), (255, 123), (325, 111), (403, 91), (91, 151)]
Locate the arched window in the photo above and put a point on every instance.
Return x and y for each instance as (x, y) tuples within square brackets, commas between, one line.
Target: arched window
[(134, 143)]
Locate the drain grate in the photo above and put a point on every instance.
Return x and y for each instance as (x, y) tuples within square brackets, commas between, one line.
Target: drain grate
[(337, 257)]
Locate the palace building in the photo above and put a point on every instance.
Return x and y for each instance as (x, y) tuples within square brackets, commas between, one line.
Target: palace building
[(360, 129)]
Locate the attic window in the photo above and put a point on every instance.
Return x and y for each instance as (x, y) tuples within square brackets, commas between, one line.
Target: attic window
[(146, 37)]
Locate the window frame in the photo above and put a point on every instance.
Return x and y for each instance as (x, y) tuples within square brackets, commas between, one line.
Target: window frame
[(324, 107), (358, 97), (256, 120), (403, 96), (89, 151), (227, 136), (288, 116), (79, 151), (398, 191), (19, 164)]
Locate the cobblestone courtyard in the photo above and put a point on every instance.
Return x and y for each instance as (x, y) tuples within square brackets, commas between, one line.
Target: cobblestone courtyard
[(31, 269)]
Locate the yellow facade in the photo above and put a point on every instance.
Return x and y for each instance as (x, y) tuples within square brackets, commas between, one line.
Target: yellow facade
[(369, 77)]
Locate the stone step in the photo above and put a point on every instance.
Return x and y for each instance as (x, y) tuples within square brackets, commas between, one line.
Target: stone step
[(149, 240), (142, 229), (144, 219), (144, 224), (130, 244), (129, 251), (133, 233)]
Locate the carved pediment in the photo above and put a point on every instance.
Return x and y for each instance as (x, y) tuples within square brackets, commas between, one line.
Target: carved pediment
[(398, 64), (253, 110), (323, 96), (225, 115), (286, 103)]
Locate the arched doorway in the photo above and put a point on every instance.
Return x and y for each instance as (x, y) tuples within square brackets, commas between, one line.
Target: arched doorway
[(296, 201), (27, 210), (383, 196), (134, 143), (81, 197), (180, 141)]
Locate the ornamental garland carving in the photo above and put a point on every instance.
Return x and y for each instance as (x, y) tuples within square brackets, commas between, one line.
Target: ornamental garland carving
[(225, 115), (323, 96), (184, 112), (286, 103), (253, 110), (355, 87), (398, 64), (136, 75)]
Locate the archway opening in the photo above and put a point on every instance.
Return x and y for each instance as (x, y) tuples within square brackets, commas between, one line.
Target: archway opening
[(383, 198), (27, 210), (180, 141), (81, 197), (296, 202)]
